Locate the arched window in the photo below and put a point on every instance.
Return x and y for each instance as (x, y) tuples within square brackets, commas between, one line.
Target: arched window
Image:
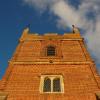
[(47, 85), (97, 96), (50, 51), (51, 84), (56, 85)]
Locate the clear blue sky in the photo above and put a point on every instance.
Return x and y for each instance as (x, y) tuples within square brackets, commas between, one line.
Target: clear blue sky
[(14, 17)]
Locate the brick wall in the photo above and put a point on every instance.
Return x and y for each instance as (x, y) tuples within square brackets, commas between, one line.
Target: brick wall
[(22, 77)]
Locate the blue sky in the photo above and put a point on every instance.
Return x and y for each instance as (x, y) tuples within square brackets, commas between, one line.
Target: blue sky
[(46, 16)]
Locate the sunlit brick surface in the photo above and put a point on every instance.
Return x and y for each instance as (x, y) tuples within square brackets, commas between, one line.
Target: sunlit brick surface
[(22, 77)]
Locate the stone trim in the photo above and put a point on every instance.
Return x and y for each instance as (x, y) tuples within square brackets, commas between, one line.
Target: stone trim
[(3, 96), (51, 78), (55, 62), (97, 95)]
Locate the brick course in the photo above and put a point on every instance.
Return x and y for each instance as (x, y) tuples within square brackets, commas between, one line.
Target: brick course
[(22, 77)]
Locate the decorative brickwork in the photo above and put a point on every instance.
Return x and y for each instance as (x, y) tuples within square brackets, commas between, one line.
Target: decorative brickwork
[(71, 60)]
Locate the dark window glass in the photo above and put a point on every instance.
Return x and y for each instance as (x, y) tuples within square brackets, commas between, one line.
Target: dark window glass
[(47, 85), (50, 51), (56, 85), (97, 97)]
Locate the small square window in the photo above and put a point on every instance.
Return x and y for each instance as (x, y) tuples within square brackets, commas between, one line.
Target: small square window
[(50, 51), (51, 84)]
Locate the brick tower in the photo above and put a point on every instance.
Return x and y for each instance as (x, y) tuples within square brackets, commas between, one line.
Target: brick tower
[(50, 67)]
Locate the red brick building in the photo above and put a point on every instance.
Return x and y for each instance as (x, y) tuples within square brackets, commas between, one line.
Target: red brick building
[(50, 67)]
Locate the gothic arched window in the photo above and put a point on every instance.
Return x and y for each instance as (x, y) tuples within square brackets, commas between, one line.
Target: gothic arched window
[(51, 84), (56, 85), (97, 96), (47, 85), (50, 51)]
